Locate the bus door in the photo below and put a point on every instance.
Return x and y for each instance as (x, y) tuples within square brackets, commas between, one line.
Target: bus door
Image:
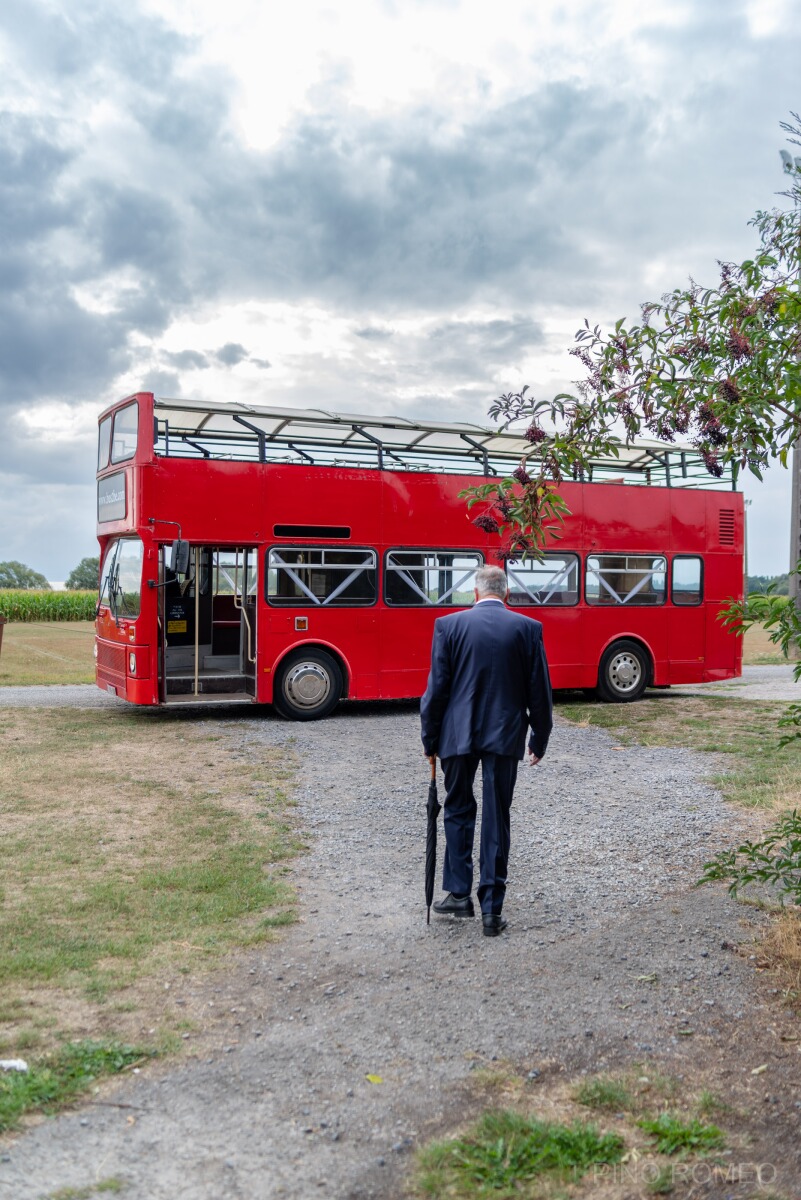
[(208, 625), (419, 586), (687, 620)]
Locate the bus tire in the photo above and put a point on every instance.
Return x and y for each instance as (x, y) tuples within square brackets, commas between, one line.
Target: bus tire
[(308, 685), (624, 673)]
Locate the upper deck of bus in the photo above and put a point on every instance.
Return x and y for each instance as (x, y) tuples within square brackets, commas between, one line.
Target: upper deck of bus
[(234, 432)]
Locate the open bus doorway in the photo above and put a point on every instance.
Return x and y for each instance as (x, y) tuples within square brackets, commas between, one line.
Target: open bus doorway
[(207, 622)]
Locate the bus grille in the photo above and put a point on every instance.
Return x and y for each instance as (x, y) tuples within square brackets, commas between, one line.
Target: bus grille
[(111, 661), (726, 527)]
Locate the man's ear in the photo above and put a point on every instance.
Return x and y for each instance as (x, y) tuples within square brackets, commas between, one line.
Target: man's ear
[(475, 593)]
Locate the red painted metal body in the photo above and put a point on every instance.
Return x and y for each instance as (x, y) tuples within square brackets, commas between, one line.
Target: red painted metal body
[(384, 651)]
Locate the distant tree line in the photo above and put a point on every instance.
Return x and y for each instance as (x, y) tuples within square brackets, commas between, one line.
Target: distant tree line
[(20, 577), (779, 584)]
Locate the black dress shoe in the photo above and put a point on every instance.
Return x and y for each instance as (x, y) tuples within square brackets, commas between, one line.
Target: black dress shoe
[(493, 924), (453, 906)]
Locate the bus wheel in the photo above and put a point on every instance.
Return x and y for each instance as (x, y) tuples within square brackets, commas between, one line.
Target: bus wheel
[(309, 685), (623, 673)]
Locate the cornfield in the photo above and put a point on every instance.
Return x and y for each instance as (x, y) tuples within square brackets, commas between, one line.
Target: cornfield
[(21, 605)]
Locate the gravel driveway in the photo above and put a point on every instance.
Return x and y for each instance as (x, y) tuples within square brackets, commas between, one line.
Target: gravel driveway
[(607, 842)]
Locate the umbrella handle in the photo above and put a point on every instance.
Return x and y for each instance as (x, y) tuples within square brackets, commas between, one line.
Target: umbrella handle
[(433, 766)]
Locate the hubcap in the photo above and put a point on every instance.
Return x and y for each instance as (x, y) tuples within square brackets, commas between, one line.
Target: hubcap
[(307, 685), (625, 672)]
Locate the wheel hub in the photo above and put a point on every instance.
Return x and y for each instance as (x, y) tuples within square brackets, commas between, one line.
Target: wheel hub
[(625, 672), (307, 685)]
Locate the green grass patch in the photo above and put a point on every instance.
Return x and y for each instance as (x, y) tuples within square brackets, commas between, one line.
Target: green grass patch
[(48, 653), (119, 865), (104, 1187), (60, 1077), (506, 1154), (757, 774), (604, 1092), (673, 1134)]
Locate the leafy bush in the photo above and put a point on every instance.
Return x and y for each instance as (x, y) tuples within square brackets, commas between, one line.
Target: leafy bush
[(775, 860), (23, 605)]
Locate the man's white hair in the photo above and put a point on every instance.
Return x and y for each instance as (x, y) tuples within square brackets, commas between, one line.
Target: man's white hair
[(492, 581)]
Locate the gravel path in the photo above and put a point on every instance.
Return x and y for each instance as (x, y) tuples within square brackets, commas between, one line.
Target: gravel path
[(607, 842)]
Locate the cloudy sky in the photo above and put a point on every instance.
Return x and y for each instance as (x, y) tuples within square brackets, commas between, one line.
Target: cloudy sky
[(369, 205)]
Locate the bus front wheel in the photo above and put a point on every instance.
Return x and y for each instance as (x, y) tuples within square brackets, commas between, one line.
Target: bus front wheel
[(309, 685), (623, 673)]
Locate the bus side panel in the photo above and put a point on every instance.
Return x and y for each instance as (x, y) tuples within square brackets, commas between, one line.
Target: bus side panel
[(724, 583), (618, 519)]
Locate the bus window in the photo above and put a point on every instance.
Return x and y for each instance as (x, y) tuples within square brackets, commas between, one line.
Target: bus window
[(625, 579), (121, 581), (438, 577), (553, 581), (303, 575), (103, 443), (126, 427), (687, 583)]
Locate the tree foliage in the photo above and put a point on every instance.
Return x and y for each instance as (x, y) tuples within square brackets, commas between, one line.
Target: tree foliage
[(84, 577), (17, 575), (718, 365)]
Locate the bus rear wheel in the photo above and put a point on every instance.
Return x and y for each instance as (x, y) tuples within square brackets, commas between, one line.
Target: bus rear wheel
[(309, 685), (624, 672)]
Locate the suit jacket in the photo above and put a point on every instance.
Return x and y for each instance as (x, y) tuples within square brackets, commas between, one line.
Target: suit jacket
[(488, 682)]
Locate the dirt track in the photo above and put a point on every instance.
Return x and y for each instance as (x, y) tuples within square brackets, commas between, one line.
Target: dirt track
[(611, 956)]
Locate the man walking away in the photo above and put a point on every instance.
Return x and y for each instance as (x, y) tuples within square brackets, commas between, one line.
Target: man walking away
[(488, 683)]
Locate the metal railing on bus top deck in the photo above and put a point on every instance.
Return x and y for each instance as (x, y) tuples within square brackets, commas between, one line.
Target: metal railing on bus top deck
[(247, 433)]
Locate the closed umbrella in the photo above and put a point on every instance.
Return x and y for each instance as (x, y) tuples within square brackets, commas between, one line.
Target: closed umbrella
[(432, 810)]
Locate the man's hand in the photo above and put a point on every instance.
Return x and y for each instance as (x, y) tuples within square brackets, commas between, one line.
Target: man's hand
[(532, 759)]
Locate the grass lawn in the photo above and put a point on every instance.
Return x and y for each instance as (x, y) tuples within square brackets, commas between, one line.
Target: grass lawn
[(56, 652), (137, 848)]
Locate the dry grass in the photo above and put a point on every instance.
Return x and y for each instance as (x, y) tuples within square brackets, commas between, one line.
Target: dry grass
[(780, 951), (58, 652), (759, 650), (137, 848)]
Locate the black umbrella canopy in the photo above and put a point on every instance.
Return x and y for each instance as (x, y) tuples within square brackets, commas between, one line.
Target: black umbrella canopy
[(433, 807)]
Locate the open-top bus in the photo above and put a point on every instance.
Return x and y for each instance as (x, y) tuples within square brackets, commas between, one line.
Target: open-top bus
[(296, 557)]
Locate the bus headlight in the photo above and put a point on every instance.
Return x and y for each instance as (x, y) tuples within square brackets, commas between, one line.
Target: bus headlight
[(132, 663), (94, 650)]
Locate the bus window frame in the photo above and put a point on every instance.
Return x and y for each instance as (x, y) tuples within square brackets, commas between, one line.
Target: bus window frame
[(105, 425), (315, 602), (694, 603), (596, 602), (422, 550), (115, 458), (564, 554)]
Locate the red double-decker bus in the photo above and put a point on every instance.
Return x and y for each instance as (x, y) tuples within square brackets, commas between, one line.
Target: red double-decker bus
[(299, 557)]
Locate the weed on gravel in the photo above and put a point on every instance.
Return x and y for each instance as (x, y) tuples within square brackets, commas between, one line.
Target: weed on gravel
[(506, 1153), (58, 1078)]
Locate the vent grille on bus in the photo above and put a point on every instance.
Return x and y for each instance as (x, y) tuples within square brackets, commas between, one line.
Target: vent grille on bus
[(111, 660), (726, 526)]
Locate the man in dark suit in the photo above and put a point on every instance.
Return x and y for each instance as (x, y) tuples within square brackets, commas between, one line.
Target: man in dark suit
[(488, 683)]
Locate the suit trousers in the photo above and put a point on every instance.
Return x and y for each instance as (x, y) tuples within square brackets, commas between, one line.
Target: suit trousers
[(499, 774)]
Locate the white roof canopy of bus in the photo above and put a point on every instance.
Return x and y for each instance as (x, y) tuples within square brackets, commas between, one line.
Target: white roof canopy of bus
[(236, 430)]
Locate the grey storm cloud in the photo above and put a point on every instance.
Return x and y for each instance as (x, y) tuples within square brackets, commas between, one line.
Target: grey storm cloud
[(231, 353), (355, 210)]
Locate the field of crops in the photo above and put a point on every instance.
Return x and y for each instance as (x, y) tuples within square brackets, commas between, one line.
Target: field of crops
[(47, 606)]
